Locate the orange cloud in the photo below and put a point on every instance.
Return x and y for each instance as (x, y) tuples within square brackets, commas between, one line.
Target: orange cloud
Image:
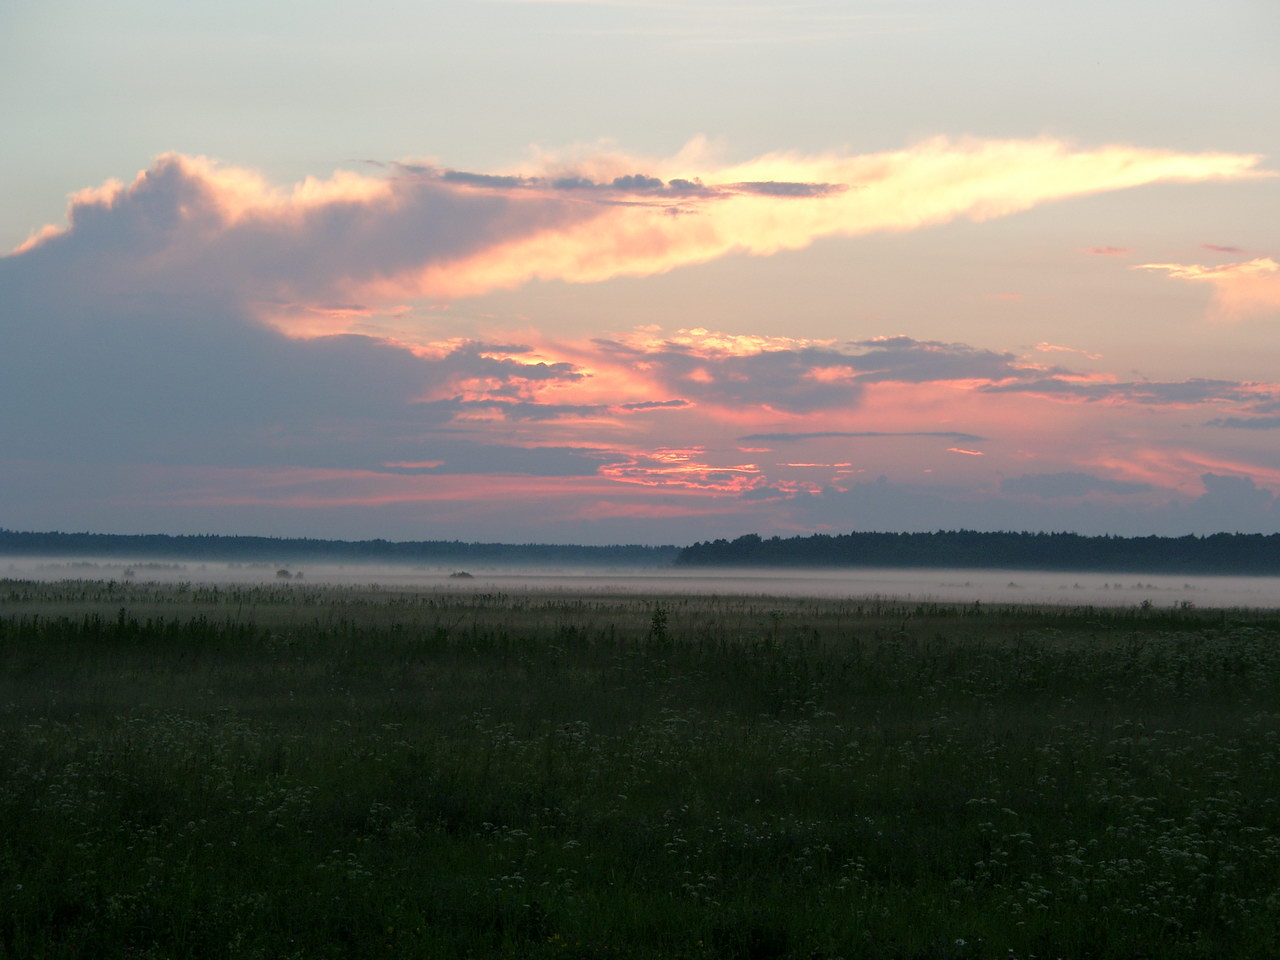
[(190, 225), (684, 468), (931, 183), (1240, 289)]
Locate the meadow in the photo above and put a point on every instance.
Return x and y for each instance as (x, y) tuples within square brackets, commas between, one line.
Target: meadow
[(290, 771)]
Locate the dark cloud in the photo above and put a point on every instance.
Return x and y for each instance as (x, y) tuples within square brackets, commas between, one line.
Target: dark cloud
[(471, 359), (169, 235), (154, 353), (573, 183), (512, 409), (780, 379), (1222, 249), (692, 188), (637, 183), (1234, 504), (484, 179), (1246, 423), (497, 458), (855, 434), (520, 409), (1067, 484), (906, 360), (655, 405), (1147, 392), (783, 188), (640, 184), (806, 378)]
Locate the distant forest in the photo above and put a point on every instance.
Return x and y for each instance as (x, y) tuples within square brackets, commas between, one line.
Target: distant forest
[(1225, 553), (281, 550)]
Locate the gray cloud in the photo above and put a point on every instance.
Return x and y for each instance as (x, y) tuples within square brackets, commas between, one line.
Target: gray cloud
[(491, 458), (783, 188), (168, 236), (1228, 504), (838, 434), (906, 360), (1245, 423), (1234, 504), (655, 405), (632, 184), (1069, 484), (517, 409), (1146, 392), (132, 337), (807, 378), (775, 378)]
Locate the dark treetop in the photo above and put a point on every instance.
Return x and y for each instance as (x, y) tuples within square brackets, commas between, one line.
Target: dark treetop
[(1226, 553), (278, 550)]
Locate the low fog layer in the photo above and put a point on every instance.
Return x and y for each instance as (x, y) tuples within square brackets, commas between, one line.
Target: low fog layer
[(987, 586)]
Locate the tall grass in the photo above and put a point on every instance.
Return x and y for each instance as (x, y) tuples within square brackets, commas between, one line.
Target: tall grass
[(310, 773)]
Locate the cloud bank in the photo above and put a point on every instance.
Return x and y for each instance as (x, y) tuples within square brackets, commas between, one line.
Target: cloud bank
[(182, 349)]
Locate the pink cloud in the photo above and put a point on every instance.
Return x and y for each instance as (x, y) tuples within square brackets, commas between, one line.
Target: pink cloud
[(1181, 468), (1057, 348), (1108, 251), (1240, 289)]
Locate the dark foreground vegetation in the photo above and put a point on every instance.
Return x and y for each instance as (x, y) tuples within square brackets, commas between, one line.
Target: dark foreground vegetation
[(1220, 553), (292, 772)]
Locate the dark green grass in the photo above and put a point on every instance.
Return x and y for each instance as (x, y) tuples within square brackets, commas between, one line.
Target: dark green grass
[(300, 772)]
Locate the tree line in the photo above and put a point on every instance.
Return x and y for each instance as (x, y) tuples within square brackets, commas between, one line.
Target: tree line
[(296, 550), (1227, 553)]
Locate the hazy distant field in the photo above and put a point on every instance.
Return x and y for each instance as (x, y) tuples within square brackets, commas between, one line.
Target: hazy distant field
[(959, 586), (296, 771)]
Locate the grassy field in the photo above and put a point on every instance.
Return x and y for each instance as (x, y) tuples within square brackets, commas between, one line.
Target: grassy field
[(290, 771)]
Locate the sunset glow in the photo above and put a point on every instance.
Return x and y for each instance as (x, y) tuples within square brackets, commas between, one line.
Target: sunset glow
[(587, 299)]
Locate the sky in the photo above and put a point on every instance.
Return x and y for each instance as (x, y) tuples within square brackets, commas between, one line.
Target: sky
[(639, 271)]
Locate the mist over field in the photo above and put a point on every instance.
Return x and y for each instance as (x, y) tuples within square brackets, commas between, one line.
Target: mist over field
[(950, 585)]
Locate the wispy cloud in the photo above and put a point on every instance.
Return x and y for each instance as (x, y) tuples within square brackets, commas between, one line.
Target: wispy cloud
[(1043, 347), (1172, 393)]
